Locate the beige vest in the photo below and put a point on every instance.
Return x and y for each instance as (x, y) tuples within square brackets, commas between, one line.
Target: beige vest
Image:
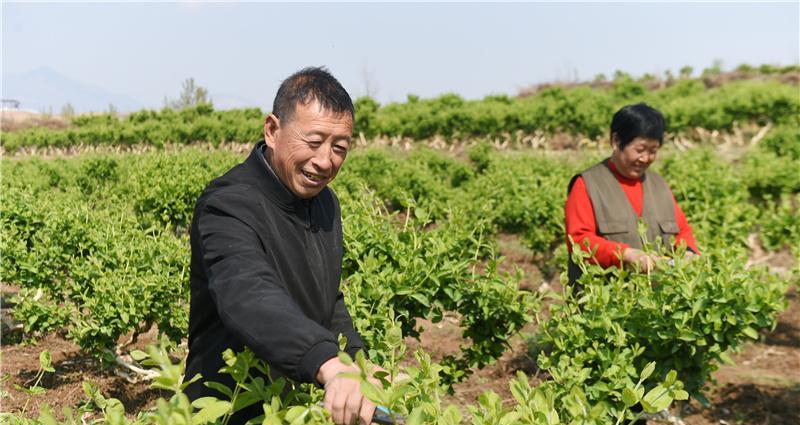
[(614, 216)]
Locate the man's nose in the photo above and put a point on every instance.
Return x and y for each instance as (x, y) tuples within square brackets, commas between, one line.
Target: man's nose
[(322, 158)]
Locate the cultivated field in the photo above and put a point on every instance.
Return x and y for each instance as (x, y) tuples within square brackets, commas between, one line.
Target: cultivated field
[(454, 253)]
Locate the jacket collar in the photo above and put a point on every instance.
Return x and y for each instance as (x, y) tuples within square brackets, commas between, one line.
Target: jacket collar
[(269, 183)]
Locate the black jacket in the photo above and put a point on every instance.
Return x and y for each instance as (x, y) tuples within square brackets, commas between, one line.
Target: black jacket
[(265, 273)]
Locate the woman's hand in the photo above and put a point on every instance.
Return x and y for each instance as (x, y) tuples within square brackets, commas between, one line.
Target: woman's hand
[(639, 260)]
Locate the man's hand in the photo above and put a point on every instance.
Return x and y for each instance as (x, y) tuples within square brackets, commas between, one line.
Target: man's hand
[(639, 260), (343, 396)]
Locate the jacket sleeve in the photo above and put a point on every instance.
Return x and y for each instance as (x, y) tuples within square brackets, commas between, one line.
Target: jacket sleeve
[(251, 301), (581, 227), (342, 323)]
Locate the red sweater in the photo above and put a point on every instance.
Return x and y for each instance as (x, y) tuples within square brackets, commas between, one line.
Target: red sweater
[(580, 224)]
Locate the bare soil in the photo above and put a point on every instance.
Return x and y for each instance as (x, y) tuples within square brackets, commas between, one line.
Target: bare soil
[(20, 365)]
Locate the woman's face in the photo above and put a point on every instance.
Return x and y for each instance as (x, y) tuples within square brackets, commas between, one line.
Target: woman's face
[(635, 158)]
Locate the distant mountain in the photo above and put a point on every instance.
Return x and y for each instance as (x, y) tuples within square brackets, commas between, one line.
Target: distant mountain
[(44, 89)]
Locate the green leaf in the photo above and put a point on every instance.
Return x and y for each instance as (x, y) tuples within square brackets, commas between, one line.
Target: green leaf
[(35, 390), (296, 413), (373, 393), (244, 400), (647, 371), (211, 412), (45, 416), (672, 375), (229, 356), (138, 355), (345, 358), (45, 361), (421, 298), (656, 399), (680, 395), (752, 333), (224, 389), (629, 397), (203, 402)]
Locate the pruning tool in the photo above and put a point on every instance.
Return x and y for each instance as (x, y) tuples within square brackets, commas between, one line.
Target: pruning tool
[(383, 416)]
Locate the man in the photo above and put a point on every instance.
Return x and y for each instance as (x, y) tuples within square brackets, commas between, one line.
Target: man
[(267, 250)]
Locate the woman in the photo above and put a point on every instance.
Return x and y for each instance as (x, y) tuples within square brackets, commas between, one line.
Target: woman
[(606, 201)]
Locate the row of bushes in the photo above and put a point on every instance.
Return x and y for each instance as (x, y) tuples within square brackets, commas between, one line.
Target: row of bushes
[(580, 110)]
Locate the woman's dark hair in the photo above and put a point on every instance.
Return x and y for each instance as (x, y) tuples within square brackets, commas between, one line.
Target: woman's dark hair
[(309, 84), (639, 120)]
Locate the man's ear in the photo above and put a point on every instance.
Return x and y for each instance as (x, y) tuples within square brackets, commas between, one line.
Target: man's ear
[(271, 127)]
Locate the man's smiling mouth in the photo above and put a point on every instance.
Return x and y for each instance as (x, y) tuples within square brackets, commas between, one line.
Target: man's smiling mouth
[(313, 177)]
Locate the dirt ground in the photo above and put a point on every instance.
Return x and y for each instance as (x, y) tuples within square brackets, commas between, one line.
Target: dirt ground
[(15, 120), (762, 388), (20, 365)]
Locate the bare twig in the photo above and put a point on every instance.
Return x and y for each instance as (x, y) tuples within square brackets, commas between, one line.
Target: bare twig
[(760, 135), (141, 373)]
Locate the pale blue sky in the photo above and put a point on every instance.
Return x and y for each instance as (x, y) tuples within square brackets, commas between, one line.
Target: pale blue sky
[(242, 51)]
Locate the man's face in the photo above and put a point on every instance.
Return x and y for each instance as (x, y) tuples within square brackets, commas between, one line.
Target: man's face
[(636, 157), (308, 150)]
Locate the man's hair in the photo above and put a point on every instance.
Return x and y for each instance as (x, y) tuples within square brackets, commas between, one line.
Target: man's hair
[(307, 85), (639, 120)]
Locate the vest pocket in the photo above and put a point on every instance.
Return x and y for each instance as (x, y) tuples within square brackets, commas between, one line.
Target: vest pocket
[(612, 227), (669, 227)]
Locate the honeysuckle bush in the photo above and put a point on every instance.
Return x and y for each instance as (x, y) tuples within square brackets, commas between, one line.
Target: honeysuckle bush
[(524, 194), (780, 223), (409, 393), (165, 188), (90, 270), (158, 128), (685, 317), (783, 141), (391, 267), (424, 180), (767, 174)]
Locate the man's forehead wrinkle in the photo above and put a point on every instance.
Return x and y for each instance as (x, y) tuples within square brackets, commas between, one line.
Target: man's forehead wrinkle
[(320, 127), (324, 121)]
